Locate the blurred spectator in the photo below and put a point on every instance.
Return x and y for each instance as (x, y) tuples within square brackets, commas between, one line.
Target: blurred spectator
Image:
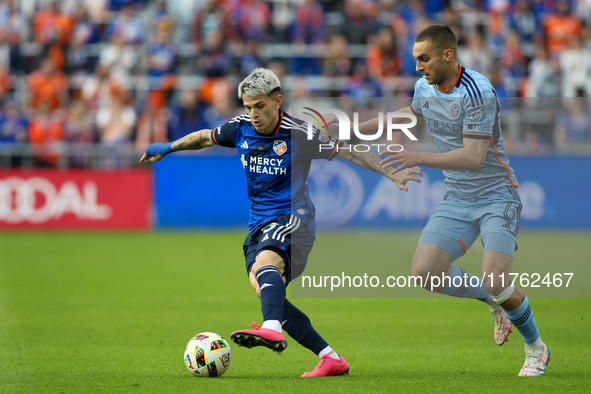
[(512, 57), (119, 57), (211, 20), (362, 87), (337, 62), (308, 26), (152, 127), (97, 9), (128, 25), (575, 64), (56, 51), (561, 28), (450, 18), (11, 25), (46, 131), (524, 22), (573, 125), (85, 31), (96, 89), (497, 25), (13, 22), (115, 121), (48, 85), (496, 80), (160, 18), (541, 78), (215, 61), (78, 62), (79, 131), (221, 108), (356, 26), (13, 128), (382, 59), (50, 24), (161, 63), (5, 84), (185, 118), (250, 57), (476, 55), (254, 19)]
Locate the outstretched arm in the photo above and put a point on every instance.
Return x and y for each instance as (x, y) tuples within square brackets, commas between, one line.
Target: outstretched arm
[(372, 162), (194, 141)]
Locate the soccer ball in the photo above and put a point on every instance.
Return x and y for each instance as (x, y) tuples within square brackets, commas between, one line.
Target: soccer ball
[(208, 355)]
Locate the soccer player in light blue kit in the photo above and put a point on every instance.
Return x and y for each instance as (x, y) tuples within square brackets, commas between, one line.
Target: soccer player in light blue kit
[(462, 112), (276, 155)]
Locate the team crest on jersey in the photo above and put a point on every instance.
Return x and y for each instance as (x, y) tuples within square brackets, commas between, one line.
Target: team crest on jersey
[(280, 147), (322, 137), (454, 111)]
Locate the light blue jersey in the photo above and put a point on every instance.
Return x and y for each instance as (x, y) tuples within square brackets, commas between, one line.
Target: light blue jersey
[(470, 109)]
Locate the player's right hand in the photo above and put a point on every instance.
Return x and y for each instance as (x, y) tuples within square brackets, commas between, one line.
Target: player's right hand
[(406, 175), (156, 152), (331, 121)]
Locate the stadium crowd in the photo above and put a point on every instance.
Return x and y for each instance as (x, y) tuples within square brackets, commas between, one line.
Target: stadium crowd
[(122, 74)]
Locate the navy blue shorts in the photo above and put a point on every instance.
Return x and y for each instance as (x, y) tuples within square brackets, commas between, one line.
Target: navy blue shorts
[(285, 235)]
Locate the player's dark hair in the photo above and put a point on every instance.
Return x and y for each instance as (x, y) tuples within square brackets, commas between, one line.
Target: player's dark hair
[(440, 36)]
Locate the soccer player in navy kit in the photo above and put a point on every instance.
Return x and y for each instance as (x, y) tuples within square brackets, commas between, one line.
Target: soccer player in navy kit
[(276, 154), (462, 111)]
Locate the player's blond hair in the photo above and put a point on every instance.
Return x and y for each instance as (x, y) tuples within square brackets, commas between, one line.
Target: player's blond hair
[(260, 81)]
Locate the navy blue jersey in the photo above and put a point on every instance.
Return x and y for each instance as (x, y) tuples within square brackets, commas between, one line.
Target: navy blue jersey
[(277, 165)]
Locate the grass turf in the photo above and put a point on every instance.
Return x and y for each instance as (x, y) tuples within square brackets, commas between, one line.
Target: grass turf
[(112, 312)]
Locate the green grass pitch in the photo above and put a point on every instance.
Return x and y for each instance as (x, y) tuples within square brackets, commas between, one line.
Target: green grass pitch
[(112, 313)]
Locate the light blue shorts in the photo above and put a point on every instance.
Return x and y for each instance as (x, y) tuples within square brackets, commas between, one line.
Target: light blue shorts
[(457, 222)]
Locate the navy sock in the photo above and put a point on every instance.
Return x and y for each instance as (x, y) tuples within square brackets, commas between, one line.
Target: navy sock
[(463, 285), (523, 319), (299, 327), (272, 292)]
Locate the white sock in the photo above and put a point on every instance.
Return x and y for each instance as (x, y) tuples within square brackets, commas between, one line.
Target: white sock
[(274, 325), (492, 302), (538, 344), (328, 351)]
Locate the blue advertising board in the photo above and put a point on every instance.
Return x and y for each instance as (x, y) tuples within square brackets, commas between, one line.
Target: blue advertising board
[(210, 191)]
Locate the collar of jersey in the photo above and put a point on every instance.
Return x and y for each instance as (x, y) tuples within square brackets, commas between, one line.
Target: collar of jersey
[(455, 85), (281, 112)]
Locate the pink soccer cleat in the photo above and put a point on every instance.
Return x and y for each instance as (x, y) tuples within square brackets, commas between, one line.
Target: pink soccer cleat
[(260, 337), (502, 325), (328, 366)]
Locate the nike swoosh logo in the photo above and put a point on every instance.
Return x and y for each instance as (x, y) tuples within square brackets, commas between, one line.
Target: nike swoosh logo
[(266, 285)]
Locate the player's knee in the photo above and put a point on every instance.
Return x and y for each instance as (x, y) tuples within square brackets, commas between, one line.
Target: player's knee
[(268, 258), (421, 274)]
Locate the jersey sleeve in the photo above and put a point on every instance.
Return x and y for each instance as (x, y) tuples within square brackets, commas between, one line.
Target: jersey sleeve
[(320, 146), (223, 135), (481, 117), (417, 100)]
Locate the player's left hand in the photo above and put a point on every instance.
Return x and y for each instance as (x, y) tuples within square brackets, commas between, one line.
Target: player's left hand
[(403, 159), (404, 176), (156, 152)]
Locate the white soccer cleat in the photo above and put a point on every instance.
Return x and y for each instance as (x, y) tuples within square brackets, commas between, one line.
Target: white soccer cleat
[(502, 325), (536, 362)]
